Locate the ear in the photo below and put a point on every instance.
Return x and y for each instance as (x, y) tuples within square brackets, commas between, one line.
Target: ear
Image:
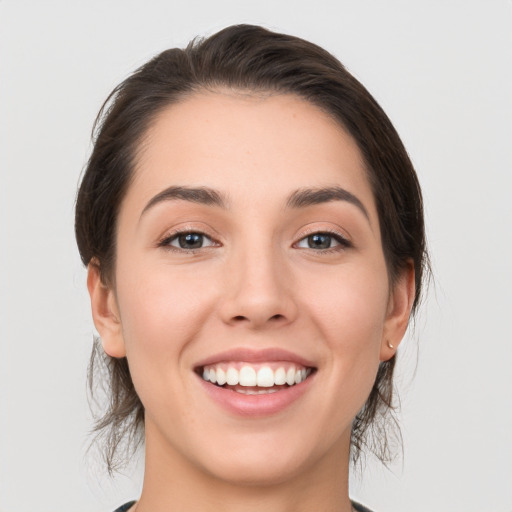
[(400, 304), (105, 312)]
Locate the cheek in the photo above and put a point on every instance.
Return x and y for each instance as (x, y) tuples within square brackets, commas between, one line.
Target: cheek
[(350, 316), (350, 306), (160, 306), (162, 312)]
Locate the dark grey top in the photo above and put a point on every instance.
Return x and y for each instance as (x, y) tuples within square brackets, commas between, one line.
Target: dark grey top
[(357, 506), (125, 507)]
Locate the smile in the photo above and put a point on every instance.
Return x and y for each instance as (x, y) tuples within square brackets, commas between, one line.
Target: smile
[(255, 383), (255, 379)]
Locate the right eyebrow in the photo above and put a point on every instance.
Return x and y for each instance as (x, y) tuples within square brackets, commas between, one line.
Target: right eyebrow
[(201, 195)]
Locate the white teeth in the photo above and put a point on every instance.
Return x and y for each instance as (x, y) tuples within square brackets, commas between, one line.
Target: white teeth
[(280, 377), (256, 392), (232, 376), (265, 377), (221, 377), (247, 376), (247, 391), (261, 376)]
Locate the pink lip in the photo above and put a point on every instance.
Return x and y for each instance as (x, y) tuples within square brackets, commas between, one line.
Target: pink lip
[(256, 356), (255, 405)]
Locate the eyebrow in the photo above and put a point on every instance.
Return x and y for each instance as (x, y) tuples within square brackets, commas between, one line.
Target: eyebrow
[(299, 199), (200, 195), (311, 196)]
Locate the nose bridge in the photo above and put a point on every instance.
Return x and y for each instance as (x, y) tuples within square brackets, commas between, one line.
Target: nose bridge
[(258, 291)]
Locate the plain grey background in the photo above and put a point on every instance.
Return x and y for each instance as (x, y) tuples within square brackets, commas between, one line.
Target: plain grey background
[(442, 70)]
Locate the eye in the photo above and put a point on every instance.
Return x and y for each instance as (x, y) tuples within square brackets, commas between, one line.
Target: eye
[(322, 241), (188, 241)]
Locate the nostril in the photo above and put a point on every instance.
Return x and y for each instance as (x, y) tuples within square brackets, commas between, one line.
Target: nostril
[(274, 318)]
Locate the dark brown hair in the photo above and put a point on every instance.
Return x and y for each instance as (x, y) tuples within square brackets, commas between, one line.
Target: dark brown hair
[(252, 59)]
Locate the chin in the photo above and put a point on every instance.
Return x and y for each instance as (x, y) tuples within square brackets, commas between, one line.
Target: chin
[(269, 458), (260, 470)]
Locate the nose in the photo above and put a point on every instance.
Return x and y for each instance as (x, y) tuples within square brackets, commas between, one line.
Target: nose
[(258, 291)]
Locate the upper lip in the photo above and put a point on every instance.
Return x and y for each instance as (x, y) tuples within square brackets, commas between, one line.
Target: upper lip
[(250, 355)]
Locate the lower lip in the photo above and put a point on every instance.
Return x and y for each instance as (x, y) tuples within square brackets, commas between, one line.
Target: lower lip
[(256, 405)]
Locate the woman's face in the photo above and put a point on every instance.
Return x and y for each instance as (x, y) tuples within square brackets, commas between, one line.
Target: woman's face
[(249, 252)]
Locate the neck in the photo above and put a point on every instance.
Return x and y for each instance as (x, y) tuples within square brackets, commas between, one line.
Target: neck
[(172, 483)]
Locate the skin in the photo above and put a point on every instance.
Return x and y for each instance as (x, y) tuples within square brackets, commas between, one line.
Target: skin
[(256, 284)]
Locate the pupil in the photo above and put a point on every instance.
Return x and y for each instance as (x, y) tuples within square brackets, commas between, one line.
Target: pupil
[(319, 241), (191, 241)]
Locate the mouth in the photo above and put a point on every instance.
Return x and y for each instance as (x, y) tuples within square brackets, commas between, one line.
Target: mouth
[(255, 378), (256, 383)]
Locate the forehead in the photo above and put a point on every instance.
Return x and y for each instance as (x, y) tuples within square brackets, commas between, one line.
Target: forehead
[(248, 146)]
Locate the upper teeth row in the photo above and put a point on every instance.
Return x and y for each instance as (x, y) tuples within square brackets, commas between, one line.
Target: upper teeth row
[(249, 376)]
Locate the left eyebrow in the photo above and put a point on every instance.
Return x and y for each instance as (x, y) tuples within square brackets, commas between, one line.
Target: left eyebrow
[(311, 196)]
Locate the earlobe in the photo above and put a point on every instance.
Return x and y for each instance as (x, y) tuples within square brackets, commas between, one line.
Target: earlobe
[(105, 313), (399, 310)]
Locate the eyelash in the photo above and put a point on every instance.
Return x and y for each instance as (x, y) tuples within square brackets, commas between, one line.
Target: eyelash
[(341, 241), (165, 242)]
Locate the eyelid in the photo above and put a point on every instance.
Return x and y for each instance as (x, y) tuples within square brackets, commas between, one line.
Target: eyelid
[(171, 234), (343, 241), (339, 233)]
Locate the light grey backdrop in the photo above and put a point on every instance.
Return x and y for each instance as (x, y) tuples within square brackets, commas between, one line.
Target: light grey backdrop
[(443, 72)]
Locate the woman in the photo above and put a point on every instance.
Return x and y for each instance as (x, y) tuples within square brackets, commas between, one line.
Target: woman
[(253, 232)]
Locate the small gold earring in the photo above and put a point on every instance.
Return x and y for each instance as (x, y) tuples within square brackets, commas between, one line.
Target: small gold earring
[(390, 345)]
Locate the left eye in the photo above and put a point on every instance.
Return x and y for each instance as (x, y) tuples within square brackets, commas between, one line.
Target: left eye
[(189, 241), (321, 241)]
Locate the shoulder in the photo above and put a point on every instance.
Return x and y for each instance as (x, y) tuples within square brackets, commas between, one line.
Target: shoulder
[(358, 507), (125, 507)]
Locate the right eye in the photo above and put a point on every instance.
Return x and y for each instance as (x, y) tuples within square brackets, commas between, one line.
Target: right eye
[(189, 240)]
